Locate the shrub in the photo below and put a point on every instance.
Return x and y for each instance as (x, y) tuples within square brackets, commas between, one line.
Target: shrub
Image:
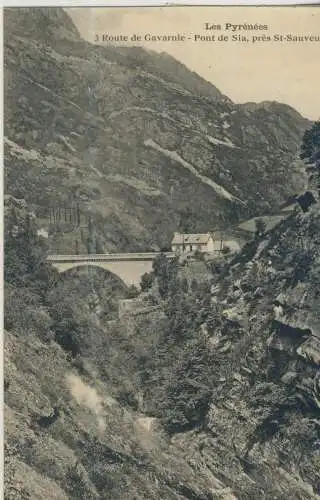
[(216, 266), (166, 272), (187, 391), (132, 292), (147, 280), (303, 264), (194, 285), (199, 255), (260, 227), (78, 484), (184, 285), (127, 397), (13, 488), (226, 250)]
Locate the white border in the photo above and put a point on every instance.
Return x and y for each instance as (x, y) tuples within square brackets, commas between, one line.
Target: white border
[(154, 3), (1, 270), (95, 3)]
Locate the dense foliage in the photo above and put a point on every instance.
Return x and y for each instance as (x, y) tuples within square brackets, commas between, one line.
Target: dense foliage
[(310, 147), (310, 153), (53, 306), (24, 251)]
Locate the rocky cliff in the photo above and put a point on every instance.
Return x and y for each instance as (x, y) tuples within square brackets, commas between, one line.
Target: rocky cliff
[(263, 421)]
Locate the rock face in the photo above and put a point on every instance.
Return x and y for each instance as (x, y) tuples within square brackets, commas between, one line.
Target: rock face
[(135, 138), (267, 408)]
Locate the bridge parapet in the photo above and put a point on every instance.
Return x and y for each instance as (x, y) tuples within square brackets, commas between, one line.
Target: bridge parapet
[(106, 257)]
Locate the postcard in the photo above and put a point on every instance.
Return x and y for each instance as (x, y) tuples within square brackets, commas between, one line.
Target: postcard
[(161, 253)]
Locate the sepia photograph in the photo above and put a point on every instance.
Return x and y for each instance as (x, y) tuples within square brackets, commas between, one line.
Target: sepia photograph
[(161, 207)]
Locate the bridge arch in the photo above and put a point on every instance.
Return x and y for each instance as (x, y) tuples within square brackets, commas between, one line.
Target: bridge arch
[(129, 272), (66, 269)]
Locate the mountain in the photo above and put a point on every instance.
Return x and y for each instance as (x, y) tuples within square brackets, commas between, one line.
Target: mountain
[(140, 143)]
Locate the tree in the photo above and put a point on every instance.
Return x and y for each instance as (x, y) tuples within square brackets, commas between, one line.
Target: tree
[(187, 221), (78, 215), (132, 292), (260, 227), (226, 250), (310, 152), (194, 285), (24, 252), (146, 281), (161, 271), (187, 391), (91, 235), (98, 246), (184, 285), (310, 147)]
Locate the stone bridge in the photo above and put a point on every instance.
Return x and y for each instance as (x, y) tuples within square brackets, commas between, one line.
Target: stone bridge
[(129, 267)]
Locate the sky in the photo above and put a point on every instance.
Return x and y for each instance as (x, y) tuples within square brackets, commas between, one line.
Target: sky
[(284, 71)]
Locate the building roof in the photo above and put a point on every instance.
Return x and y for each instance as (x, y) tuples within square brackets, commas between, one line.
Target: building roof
[(194, 239)]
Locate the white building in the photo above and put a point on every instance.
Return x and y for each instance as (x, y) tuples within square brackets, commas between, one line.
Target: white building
[(191, 242), (203, 242)]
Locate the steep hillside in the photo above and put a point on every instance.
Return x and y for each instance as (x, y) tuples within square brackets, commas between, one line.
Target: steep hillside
[(141, 143), (74, 426), (265, 342), (213, 395)]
